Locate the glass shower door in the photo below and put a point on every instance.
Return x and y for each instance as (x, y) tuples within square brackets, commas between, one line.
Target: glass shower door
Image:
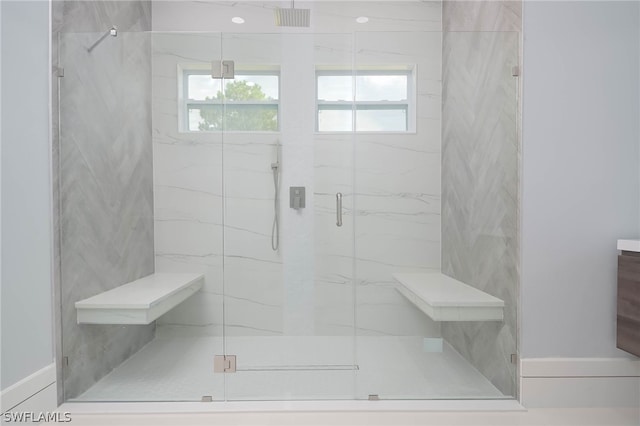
[(187, 160), (140, 188), (436, 179), (288, 266)]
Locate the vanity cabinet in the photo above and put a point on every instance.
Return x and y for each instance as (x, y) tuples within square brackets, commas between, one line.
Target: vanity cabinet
[(628, 318)]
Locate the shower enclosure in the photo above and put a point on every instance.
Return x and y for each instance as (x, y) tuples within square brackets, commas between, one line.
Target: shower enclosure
[(174, 148)]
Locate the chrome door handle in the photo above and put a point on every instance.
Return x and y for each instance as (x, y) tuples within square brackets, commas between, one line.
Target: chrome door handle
[(339, 208)]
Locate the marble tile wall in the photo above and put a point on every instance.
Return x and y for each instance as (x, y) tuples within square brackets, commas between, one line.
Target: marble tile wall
[(192, 224), (480, 189), (308, 286), (482, 15), (397, 183), (103, 179)]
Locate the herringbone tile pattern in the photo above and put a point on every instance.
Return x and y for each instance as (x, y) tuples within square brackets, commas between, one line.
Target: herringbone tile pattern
[(106, 192), (480, 191)]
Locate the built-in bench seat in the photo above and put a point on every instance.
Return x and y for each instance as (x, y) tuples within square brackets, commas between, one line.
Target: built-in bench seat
[(141, 301), (445, 299)]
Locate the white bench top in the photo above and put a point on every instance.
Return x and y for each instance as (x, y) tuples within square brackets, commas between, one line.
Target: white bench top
[(140, 301), (446, 299)]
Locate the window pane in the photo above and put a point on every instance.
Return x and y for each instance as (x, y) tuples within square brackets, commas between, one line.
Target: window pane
[(205, 117), (335, 120), (262, 118), (381, 120), (335, 88), (202, 87), (252, 88), (381, 87)]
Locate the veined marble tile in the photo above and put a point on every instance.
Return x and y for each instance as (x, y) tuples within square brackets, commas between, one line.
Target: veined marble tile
[(202, 310), (184, 205), (480, 184), (400, 320), (422, 49), (253, 49), (200, 48), (482, 15), (90, 15), (188, 238), (105, 177), (333, 242), (255, 282), (316, 256), (334, 294), (408, 251), (247, 318), (332, 50)]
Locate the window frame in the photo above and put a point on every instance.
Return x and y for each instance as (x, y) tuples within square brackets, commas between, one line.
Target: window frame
[(185, 103), (353, 105)]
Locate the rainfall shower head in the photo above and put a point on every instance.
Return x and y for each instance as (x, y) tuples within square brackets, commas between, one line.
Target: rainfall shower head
[(292, 17)]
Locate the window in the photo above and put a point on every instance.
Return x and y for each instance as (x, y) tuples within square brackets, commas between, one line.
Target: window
[(249, 102), (369, 101)]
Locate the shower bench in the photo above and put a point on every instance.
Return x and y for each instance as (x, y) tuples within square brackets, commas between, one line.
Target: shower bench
[(446, 299), (141, 301)]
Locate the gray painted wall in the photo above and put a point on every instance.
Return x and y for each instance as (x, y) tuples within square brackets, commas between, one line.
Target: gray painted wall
[(27, 342), (580, 172), (480, 155), (105, 176)]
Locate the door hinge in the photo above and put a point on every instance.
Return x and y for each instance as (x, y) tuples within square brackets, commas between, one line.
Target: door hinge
[(514, 358), (515, 71), (223, 69), (224, 364), (60, 72)]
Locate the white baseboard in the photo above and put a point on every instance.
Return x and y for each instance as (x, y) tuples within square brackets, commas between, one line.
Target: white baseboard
[(37, 392), (579, 382), (580, 367)]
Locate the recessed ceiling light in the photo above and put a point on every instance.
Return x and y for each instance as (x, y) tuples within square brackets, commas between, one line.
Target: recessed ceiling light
[(362, 19), (237, 20)]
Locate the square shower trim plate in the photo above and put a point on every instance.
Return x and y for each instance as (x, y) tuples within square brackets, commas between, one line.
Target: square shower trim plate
[(141, 301), (446, 299)]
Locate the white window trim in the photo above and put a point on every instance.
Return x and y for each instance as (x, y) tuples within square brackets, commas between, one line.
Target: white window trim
[(185, 71)]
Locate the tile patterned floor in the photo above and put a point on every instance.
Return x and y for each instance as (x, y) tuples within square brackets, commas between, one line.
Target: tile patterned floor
[(292, 368)]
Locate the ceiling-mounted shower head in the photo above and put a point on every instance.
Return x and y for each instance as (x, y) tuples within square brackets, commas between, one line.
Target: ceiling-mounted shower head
[(292, 17)]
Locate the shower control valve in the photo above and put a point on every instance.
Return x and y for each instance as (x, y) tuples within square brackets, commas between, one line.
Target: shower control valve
[(297, 197)]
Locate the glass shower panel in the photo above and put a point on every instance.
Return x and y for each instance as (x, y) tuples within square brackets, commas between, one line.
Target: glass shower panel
[(105, 195), (188, 198), (480, 244), (408, 140), (140, 188), (288, 268), (417, 211)]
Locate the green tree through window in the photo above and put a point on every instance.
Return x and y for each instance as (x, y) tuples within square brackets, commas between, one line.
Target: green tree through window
[(246, 109)]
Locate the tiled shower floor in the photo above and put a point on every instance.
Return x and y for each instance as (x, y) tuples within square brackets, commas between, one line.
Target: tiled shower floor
[(292, 368)]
